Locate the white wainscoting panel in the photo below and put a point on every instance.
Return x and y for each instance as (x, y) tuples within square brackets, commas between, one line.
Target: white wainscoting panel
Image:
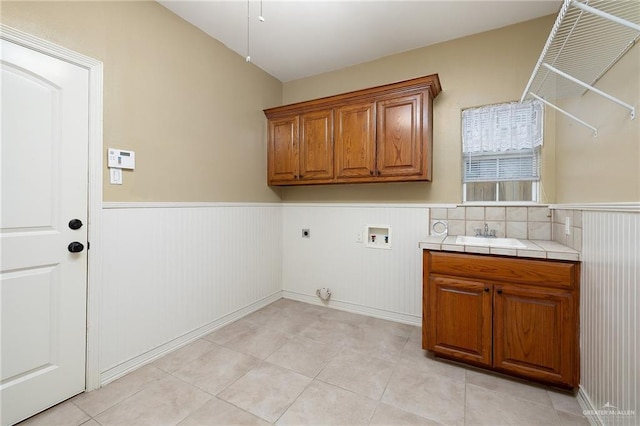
[(377, 282), (172, 274), (610, 322)]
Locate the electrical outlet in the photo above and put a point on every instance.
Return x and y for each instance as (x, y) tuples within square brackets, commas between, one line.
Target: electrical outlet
[(306, 233), (359, 237), (567, 225)]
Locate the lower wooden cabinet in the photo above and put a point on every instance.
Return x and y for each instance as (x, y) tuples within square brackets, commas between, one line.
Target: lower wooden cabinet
[(534, 332), (513, 315), (460, 312)]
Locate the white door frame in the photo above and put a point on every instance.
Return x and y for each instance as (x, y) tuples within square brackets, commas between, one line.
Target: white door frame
[(94, 227)]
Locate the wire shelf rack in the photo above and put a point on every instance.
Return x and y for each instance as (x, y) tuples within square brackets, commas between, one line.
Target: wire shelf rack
[(587, 39)]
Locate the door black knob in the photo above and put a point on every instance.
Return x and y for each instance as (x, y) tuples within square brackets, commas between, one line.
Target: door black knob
[(486, 289), (499, 291), (75, 247), (75, 224)]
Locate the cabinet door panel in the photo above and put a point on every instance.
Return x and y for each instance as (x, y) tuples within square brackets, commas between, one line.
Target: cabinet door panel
[(399, 130), (316, 145), (355, 140), (459, 319), (283, 149), (534, 332)]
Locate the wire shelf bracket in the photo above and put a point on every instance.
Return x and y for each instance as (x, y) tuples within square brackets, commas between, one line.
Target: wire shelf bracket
[(586, 41)]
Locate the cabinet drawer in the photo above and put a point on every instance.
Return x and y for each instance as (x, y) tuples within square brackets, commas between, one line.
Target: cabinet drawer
[(505, 269)]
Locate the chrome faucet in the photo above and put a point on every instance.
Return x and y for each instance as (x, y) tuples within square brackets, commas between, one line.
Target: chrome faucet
[(487, 233)]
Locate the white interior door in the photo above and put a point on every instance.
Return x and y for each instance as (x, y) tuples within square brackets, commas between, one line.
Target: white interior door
[(44, 159)]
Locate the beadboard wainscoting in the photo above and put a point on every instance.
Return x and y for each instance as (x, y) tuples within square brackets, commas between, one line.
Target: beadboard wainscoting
[(373, 281), (610, 322), (176, 271)]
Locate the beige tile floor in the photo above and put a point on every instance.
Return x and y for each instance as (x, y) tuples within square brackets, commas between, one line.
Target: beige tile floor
[(292, 363)]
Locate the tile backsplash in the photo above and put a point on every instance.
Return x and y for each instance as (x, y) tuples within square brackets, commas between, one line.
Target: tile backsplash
[(574, 239), (524, 222)]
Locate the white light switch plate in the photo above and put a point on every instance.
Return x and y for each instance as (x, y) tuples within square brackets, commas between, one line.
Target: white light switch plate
[(115, 176), (567, 225)]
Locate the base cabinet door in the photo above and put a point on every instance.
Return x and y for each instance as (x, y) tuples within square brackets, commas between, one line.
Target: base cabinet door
[(533, 330), (460, 319)]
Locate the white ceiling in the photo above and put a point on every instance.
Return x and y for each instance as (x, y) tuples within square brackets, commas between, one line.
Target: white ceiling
[(300, 38)]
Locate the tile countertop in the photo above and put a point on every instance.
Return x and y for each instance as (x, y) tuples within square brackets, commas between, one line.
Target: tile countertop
[(540, 249)]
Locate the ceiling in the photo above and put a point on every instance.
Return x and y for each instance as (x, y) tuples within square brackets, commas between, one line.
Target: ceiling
[(301, 38)]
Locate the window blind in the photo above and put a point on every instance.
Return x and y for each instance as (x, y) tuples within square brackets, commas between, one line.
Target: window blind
[(502, 142), (523, 165)]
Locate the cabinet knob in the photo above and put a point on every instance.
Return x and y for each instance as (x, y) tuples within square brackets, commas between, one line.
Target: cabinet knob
[(486, 289), (499, 291)]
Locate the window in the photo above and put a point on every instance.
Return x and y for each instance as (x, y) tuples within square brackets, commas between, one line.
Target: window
[(501, 152)]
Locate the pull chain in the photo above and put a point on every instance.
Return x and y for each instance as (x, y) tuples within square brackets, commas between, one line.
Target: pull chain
[(248, 58)]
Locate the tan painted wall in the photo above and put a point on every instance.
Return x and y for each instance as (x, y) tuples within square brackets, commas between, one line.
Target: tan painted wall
[(485, 68), (189, 107), (176, 96), (605, 168)]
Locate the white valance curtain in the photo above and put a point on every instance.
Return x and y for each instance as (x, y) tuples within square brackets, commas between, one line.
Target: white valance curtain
[(502, 142), (503, 127)]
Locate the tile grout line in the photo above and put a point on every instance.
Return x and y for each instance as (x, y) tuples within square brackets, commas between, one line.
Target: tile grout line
[(464, 411), (403, 358)]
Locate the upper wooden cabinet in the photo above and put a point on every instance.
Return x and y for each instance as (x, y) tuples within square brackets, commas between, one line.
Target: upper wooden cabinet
[(355, 141), (301, 147), (316, 145), (400, 138), (283, 146), (381, 134)]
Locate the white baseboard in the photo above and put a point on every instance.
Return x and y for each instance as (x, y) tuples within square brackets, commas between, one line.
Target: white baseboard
[(150, 356), (589, 410), (354, 308)]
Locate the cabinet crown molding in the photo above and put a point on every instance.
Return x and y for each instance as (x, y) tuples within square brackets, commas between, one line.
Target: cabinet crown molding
[(429, 82)]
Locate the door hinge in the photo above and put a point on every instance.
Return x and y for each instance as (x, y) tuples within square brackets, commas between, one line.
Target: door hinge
[(88, 245)]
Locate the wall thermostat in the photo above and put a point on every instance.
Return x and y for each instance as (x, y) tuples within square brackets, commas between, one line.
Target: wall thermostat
[(121, 159)]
